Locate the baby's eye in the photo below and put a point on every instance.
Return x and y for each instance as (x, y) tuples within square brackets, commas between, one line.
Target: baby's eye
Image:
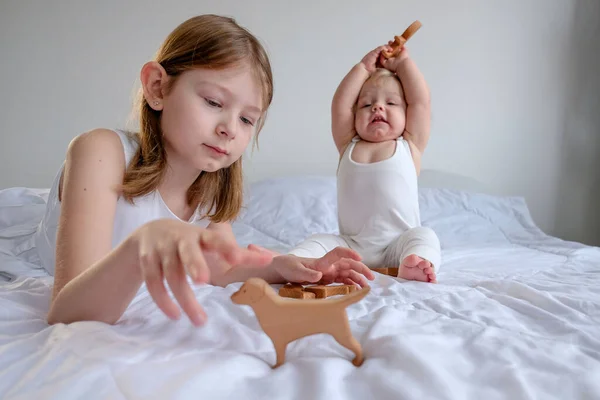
[(391, 103), (212, 103), (246, 121), (366, 105)]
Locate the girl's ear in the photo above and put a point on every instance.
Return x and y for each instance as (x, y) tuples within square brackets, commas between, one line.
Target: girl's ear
[(154, 79)]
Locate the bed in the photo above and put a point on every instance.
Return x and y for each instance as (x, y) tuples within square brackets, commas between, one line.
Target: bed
[(515, 315)]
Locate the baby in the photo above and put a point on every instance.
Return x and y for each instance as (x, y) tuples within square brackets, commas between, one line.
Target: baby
[(380, 125)]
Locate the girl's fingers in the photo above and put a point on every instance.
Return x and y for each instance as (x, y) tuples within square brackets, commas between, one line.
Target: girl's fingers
[(302, 274), (226, 249), (175, 276), (353, 270), (357, 278), (351, 282), (255, 248), (346, 281), (193, 261), (362, 269), (152, 274), (334, 256), (356, 266), (253, 258), (232, 253)]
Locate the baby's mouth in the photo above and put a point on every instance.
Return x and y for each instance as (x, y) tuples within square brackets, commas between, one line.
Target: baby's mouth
[(378, 118)]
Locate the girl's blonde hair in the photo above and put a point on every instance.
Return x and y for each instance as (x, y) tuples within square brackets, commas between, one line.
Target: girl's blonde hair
[(204, 41)]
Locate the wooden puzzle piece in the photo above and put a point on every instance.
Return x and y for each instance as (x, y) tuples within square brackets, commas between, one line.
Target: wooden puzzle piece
[(285, 320), (387, 271), (324, 291), (298, 291), (295, 293), (399, 41)]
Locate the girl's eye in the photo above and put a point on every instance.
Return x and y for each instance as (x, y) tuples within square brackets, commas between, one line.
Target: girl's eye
[(391, 104), (246, 121), (212, 103), (366, 105)]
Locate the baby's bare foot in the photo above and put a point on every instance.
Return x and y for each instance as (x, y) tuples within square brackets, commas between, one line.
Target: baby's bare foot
[(415, 268)]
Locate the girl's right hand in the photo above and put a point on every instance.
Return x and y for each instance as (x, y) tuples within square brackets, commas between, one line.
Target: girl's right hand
[(170, 249)]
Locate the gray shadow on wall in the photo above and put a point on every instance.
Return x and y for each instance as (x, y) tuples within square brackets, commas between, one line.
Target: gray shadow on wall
[(578, 213)]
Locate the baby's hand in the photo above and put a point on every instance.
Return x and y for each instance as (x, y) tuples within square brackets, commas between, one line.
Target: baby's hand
[(392, 63), (372, 59)]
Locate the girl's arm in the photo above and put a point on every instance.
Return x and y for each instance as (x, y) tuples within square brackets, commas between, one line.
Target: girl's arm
[(340, 265), (93, 282), (89, 285)]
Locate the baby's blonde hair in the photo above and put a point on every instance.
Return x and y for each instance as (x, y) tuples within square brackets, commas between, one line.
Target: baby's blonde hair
[(378, 75), (381, 73), (208, 41)]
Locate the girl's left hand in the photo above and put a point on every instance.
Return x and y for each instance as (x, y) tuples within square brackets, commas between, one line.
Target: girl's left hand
[(340, 265)]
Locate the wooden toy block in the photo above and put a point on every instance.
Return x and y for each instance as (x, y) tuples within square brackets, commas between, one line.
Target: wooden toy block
[(298, 291), (324, 291), (393, 271), (285, 320), (294, 293), (399, 41)]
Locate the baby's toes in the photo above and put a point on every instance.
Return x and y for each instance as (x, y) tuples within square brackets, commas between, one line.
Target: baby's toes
[(412, 261)]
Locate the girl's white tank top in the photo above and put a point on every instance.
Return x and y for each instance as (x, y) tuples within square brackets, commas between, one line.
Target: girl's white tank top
[(128, 216)]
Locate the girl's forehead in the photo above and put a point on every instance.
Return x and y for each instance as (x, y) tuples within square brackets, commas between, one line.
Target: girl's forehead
[(221, 74)]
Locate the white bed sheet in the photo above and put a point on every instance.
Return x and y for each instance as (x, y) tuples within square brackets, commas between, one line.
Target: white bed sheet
[(515, 315)]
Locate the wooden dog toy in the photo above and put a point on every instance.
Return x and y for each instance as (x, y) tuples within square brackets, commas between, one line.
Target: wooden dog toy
[(399, 41), (298, 291), (286, 320)]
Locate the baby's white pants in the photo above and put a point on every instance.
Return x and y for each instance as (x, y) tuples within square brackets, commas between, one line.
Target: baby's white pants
[(420, 241)]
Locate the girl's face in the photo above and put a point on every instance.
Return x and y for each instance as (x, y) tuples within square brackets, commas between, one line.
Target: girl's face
[(210, 116)]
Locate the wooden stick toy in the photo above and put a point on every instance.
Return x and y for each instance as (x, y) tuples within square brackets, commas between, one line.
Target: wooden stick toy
[(399, 41), (286, 320)]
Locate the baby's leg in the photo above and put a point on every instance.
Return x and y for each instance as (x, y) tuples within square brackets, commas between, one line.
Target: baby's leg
[(316, 246), (417, 252)]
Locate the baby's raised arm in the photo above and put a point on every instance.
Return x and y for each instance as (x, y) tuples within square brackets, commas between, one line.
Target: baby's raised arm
[(416, 93), (344, 99)]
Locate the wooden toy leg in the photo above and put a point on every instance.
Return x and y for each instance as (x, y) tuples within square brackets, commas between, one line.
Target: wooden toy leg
[(348, 341), (280, 348)]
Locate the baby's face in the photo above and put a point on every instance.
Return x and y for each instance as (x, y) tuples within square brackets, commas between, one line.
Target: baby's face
[(381, 110)]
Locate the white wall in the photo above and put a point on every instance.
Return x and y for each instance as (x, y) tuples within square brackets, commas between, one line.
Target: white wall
[(514, 83)]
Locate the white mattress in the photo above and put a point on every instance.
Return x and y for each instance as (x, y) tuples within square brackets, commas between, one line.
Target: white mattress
[(515, 315)]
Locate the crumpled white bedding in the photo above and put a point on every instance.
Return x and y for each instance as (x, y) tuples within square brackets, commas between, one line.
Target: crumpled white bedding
[(515, 315)]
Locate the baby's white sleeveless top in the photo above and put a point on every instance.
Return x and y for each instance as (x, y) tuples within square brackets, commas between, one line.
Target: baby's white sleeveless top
[(128, 216), (378, 201)]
